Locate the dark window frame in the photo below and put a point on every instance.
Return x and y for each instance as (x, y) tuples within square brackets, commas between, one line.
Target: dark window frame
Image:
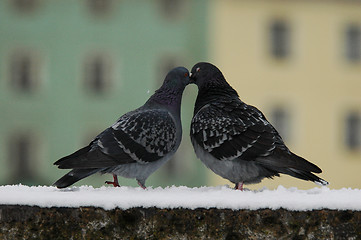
[(281, 121), (280, 39), (353, 131), (25, 6), (24, 71), (99, 7), (98, 73), (353, 42), (172, 9), (23, 152)]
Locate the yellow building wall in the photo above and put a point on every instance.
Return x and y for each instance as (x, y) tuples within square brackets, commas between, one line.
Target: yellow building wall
[(315, 83)]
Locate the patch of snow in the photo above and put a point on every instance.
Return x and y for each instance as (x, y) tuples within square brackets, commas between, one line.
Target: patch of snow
[(182, 197)]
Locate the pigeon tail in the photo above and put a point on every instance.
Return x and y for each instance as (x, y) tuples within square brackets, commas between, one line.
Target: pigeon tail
[(293, 165), (281, 159), (304, 170), (65, 160), (86, 158), (306, 176), (74, 176), (303, 164)]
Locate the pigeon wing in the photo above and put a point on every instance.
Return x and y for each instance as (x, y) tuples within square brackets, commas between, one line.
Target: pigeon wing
[(140, 136), (229, 129)]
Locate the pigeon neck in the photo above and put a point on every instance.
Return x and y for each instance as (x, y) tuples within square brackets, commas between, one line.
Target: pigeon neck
[(169, 98), (212, 92)]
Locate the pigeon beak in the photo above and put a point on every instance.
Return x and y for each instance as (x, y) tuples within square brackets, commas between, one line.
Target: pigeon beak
[(191, 79)]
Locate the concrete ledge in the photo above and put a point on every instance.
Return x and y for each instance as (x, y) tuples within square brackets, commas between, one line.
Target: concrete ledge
[(26, 222)]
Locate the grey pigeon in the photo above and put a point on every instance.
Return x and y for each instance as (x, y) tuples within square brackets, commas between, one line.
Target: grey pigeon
[(234, 139), (138, 143)]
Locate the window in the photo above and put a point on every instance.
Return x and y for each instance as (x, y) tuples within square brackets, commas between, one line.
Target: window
[(99, 7), (280, 120), (24, 71), (21, 156), (353, 131), (25, 5), (97, 74), (353, 42), (279, 39), (172, 8)]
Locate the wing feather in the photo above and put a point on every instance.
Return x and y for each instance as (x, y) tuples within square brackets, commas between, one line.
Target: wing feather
[(142, 136), (239, 131)]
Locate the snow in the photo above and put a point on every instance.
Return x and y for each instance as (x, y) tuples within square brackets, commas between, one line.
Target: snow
[(182, 197)]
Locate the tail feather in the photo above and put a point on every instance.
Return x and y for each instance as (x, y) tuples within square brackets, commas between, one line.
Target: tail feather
[(280, 160), (66, 159), (76, 154), (293, 165), (308, 176), (303, 164), (74, 176), (86, 158)]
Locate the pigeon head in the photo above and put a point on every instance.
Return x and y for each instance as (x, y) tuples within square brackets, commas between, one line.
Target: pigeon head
[(170, 93), (176, 79), (205, 74)]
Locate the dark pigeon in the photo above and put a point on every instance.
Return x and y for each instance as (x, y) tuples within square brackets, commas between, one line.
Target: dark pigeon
[(234, 139), (138, 143)]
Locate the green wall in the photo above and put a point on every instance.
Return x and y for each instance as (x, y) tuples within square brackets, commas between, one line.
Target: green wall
[(60, 114)]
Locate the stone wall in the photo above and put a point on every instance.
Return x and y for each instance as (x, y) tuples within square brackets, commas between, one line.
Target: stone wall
[(26, 222)]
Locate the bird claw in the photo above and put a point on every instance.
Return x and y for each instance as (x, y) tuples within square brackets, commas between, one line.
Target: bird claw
[(115, 181)]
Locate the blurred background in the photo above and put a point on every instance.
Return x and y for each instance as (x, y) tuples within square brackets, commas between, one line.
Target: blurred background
[(69, 69)]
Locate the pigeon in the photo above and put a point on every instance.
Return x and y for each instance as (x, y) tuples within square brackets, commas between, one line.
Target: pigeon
[(138, 143), (235, 140)]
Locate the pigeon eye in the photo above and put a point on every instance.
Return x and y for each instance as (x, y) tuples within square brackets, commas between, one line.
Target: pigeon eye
[(186, 74), (197, 69)]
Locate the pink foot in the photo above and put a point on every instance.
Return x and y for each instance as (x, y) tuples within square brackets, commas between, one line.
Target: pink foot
[(115, 181), (239, 186)]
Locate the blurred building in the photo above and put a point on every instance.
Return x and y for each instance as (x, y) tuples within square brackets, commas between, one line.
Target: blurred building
[(300, 63), (69, 69)]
